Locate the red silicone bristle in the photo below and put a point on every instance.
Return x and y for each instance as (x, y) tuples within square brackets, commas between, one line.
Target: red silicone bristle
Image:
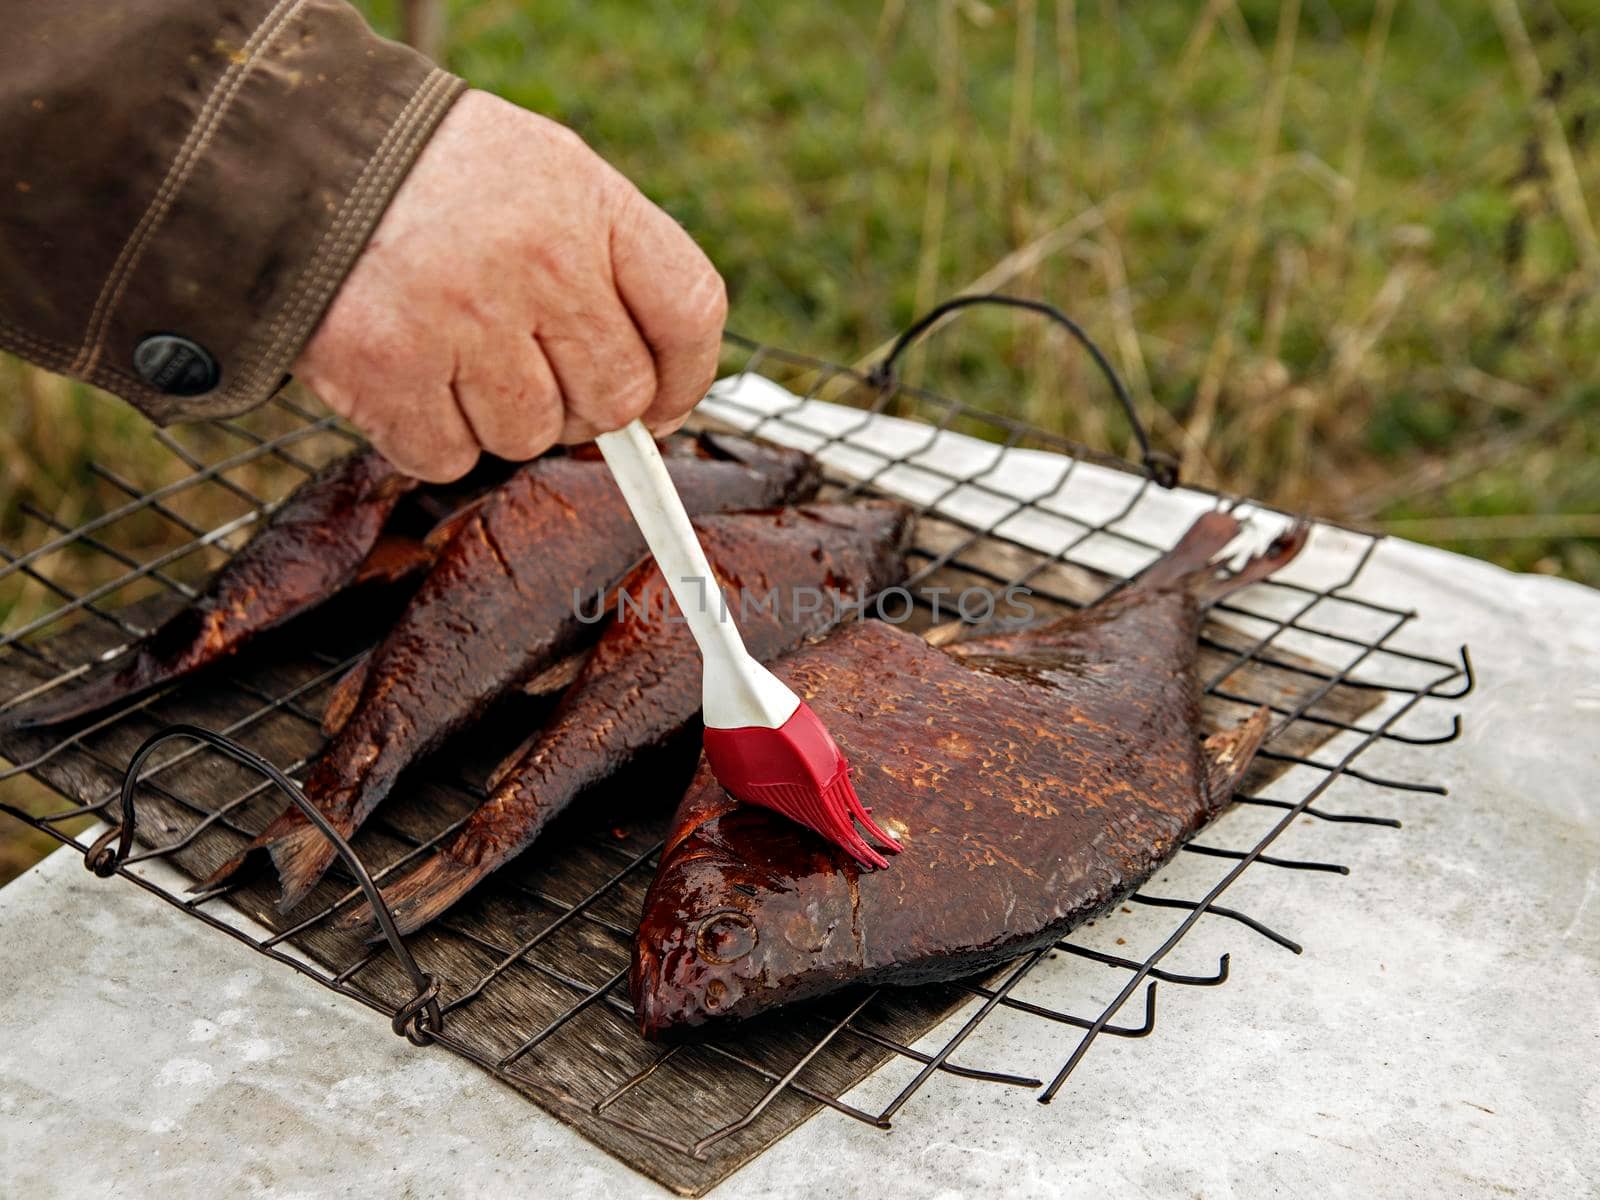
[(799, 771)]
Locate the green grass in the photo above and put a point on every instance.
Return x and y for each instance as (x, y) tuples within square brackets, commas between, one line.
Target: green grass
[(1337, 268), (1405, 290)]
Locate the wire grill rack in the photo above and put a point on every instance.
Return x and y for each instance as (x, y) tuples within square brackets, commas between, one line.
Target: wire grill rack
[(529, 979)]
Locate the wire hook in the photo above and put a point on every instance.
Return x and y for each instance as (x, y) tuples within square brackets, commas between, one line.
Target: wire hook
[(1162, 468), (419, 1020)]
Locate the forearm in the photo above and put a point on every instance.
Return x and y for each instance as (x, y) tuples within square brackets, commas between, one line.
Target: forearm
[(203, 168)]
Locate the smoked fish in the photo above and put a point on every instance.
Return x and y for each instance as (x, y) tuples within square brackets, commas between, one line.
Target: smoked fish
[(503, 601), (1034, 779), (327, 534), (788, 574)]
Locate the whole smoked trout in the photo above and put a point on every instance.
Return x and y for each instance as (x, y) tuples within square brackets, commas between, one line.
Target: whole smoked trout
[(503, 601), (789, 575), (1034, 779), (325, 536)]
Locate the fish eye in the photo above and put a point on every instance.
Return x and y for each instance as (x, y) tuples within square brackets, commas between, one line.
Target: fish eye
[(725, 936)]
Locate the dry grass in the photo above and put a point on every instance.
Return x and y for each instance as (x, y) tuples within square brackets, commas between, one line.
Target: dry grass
[(1343, 250)]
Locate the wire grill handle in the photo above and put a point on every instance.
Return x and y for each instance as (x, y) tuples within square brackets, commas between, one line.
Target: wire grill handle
[(419, 1019), (1162, 468)]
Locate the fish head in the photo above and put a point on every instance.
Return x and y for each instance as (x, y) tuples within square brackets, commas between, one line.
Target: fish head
[(722, 934)]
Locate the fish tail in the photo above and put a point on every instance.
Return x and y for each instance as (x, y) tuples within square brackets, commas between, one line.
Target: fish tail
[(301, 857), (78, 698), (1192, 566), (1284, 547), (1193, 553), (421, 896), (226, 871), (282, 824)]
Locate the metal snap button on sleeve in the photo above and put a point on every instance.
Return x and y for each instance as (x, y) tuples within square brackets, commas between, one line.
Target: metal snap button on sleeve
[(175, 366)]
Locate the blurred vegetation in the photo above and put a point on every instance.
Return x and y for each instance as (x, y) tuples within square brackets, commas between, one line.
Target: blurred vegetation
[(1344, 251)]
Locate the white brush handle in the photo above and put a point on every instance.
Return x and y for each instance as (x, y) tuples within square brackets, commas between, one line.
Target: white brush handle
[(737, 690)]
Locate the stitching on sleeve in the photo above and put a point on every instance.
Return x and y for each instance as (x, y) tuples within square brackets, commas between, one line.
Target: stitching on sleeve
[(35, 346), (194, 145), (363, 206), (55, 357)]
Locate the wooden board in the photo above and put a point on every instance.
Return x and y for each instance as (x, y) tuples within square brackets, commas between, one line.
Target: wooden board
[(531, 965)]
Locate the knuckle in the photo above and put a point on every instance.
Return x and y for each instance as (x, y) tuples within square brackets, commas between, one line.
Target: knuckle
[(708, 300), (699, 310), (567, 138), (630, 208)]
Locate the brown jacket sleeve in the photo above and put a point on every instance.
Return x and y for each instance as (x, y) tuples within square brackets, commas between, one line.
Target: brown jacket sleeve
[(201, 169)]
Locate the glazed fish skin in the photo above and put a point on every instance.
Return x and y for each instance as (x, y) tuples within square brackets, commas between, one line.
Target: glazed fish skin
[(497, 608), (313, 545), (1034, 779), (640, 688)]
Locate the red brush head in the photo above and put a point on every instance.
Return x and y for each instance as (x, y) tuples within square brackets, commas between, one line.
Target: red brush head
[(797, 770)]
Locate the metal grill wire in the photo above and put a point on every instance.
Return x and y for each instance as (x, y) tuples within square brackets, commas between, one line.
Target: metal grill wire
[(1366, 662)]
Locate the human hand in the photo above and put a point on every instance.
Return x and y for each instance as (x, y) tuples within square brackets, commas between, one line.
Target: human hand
[(518, 292)]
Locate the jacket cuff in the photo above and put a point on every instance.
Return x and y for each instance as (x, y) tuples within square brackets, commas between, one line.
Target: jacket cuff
[(285, 173)]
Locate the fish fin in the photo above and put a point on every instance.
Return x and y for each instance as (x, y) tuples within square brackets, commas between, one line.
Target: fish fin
[(419, 897), (393, 558), (555, 677), (964, 637), (440, 534), (1193, 553), (342, 700), (1229, 753), (1284, 547), (511, 762), (559, 675), (395, 486), (633, 581)]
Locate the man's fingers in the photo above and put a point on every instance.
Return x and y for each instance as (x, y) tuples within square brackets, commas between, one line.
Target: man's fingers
[(606, 373), (508, 222), (511, 401), (415, 431), (385, 375), (421, 434), (676, 299), (432, 443)]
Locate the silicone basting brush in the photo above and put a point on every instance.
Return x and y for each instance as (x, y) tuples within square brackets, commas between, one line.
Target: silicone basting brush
[(763, 743)]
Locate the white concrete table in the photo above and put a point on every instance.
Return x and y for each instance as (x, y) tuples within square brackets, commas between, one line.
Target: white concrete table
[(1439, 1037)]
